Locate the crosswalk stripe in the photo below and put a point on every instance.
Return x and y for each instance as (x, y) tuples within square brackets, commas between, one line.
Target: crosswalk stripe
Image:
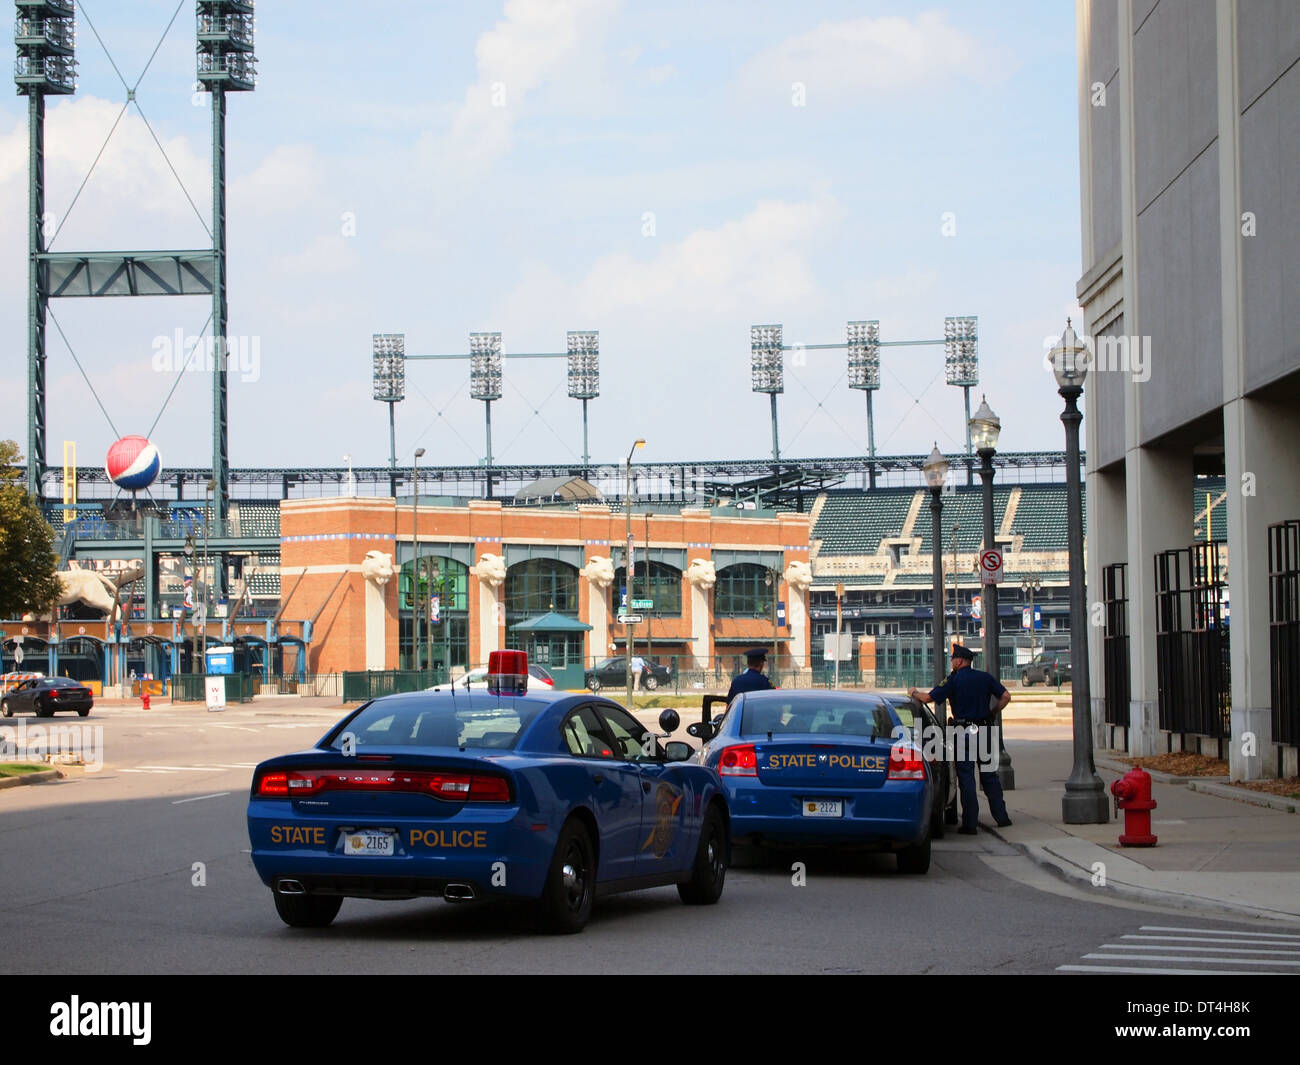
[(1196, 939), (1219, 931), (1159, 972), (1184, 958), (1207, 950)]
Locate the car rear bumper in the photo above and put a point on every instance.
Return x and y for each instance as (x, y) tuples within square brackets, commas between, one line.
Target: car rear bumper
[(496, 855), (892, 816)]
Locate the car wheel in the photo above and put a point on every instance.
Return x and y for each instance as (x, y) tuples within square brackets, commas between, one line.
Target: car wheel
[(44, 709), (710, 870), (571, 883), (594, 684), (950, 815), (1053, 679), (650, 683), (936, 822), (915, 860), (6, 709), (83, 712), (307, 911), (1024, 679)]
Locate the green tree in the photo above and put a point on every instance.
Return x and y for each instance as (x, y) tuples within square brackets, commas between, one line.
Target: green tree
[(28, 581)]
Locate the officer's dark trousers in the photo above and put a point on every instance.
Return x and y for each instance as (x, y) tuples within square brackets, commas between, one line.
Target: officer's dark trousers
[(966, 770)]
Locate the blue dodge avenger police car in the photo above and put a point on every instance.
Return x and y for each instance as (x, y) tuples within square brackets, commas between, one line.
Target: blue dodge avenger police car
[(487, 794)]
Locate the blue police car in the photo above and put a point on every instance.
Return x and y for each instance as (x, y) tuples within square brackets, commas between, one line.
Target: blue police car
[(489, 793), (821, 767)]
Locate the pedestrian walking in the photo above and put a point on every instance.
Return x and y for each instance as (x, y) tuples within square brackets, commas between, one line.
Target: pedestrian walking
[(638, 670), (752, 680), (968, 693)]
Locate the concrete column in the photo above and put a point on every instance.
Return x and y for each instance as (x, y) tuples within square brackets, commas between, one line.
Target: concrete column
[(375, 617), (700, 647), (1159, 487)]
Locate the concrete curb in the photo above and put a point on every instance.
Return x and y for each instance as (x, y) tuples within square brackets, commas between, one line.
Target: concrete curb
[(1211, 786), (1072, 873), (30, 778)]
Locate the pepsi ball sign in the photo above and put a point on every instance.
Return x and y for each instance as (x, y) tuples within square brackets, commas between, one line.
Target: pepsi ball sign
[(133, 463)]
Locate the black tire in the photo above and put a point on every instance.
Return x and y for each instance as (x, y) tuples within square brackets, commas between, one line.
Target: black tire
[(6, 709), (1053, 679), (936, 820), (571, 882), (44, 709), (594, 684), (710, 870), (1024, 680), (83, 712), (307, 911), (650, 683), (915, 861), (950, 815)]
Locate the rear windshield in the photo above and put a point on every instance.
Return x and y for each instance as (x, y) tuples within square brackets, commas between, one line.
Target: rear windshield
[(438, 723), (62, 682), (807, 713)]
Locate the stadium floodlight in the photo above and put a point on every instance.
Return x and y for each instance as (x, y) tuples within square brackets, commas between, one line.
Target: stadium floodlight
[(226, 30), (485, 366), (584, 363), (46, 37), (388, 380), (766, 359), (864, 355), (961, 351)]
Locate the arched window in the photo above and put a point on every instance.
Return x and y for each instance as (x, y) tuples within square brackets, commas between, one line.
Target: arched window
[(444, 637), (658, 582), (538, 586), (743, 591)]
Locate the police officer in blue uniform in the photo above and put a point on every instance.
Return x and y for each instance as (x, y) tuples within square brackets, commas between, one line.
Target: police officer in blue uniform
[(752, 680), (968, 693)]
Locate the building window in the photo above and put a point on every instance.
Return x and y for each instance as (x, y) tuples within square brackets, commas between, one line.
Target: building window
[(658, 581), (540, 586), (742, 592)]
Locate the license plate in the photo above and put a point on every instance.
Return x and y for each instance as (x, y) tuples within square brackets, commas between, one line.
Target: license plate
[(376, 844), (823, 807)]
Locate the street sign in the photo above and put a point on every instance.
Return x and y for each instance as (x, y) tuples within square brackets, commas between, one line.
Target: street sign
[(990, 566), (630, 619), (214, 690), (643, 604)]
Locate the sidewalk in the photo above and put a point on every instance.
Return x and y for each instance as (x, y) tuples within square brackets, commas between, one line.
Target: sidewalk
[(1215, 853)]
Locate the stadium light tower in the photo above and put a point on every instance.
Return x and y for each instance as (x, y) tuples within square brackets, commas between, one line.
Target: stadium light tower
[(388, 376), (767, 370), (485, 384), (46, 37), (864, 369), (584, 376), (961, 362)]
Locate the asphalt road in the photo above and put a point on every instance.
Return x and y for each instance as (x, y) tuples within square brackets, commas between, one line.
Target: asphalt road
[(98, 875)]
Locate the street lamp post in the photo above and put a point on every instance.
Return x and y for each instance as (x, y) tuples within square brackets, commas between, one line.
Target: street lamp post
[(1030, 586), (207, 580), (415, 555), (1085, 801), (189, 567), (772, 579), (935, 470), (629, 629), (985, 427), (435, 578)]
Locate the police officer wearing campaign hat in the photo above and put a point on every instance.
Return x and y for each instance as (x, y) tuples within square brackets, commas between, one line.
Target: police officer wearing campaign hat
[(752, 680), (968, 693)]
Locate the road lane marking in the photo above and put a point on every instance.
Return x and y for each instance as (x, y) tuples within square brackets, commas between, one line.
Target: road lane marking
[(181, 768), (1154, 972), (1294, 951), (1183, 958), (1220, 931), (200, 798)]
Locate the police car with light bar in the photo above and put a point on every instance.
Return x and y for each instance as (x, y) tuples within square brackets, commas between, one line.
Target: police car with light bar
[(494, 793)]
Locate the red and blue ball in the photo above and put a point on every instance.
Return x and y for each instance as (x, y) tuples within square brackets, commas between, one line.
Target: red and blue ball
[(133, 463)]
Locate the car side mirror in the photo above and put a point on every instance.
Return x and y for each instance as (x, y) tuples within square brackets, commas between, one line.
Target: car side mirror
[(701, 730), (677, 751), (669, 721)]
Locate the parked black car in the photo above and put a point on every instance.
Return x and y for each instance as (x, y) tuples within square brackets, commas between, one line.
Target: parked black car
[(1050, 667), (45, 696), (612, 673)]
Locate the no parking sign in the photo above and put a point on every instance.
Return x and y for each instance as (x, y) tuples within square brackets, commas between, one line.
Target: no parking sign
[(990, 566)]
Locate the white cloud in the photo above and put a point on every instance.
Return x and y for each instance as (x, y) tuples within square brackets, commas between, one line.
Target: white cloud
[(658, 75), (887, 54)]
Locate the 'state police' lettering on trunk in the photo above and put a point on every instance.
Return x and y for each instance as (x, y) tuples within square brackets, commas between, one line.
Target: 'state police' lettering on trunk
[(863, 762)]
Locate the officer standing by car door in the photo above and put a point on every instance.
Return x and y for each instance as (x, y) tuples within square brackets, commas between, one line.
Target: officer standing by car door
[(752, 680), (968, 693)]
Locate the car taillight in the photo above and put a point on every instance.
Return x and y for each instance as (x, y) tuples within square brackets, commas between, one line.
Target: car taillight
[(455, 787), (741, 761), (906, 763)]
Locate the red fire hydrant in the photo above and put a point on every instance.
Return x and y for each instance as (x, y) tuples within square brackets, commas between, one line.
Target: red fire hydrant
[(144, 700), (1133, 795)]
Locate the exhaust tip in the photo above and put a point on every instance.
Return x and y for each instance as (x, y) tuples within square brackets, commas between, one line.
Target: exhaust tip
[(290, 887), (458, 893)]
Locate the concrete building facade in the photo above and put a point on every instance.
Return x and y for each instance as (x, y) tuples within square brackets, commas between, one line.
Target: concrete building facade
[(1189, 119)]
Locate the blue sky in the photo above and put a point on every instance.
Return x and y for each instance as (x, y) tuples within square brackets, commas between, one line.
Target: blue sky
[(655, 173)]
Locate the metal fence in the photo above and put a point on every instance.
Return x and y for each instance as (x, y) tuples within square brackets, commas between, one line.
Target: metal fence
[(1284, 629), (360, 685), (1115, 649), (1192, 669), (191, 688)]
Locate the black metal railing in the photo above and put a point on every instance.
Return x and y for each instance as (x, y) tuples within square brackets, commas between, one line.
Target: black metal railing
[(1115, 649), (1284, 629), (1192, 670)]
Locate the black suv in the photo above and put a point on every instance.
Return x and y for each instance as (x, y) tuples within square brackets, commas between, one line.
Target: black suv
[(1050, 667)]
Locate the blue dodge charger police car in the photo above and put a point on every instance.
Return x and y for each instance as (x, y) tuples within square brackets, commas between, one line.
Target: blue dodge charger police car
[(486, 794), (822, 767)]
